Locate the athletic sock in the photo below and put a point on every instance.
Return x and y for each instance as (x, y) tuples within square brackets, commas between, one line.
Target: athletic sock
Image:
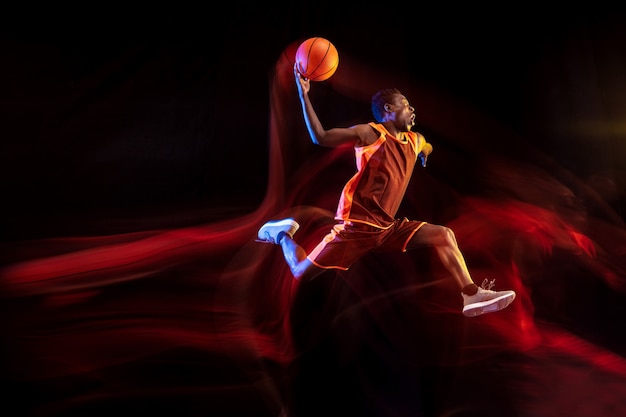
[(470, 289)]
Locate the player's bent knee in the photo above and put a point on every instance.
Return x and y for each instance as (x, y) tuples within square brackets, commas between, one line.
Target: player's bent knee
[(447, 236), (306, 271)]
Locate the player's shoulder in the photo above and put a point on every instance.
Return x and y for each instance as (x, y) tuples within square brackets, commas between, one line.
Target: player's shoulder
[(367, 132), (416, 136)]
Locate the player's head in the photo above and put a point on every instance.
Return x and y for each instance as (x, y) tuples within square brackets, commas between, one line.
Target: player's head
[(380, 99)]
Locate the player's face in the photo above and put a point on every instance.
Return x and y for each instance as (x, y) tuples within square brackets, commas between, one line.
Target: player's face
[(404, 113)]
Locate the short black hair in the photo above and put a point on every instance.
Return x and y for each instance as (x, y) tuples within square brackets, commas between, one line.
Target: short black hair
[(379, 100)]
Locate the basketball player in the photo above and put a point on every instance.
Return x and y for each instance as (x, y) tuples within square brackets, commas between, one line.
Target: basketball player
[(386, 152)]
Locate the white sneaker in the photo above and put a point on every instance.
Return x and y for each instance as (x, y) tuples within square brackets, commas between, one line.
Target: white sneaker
[(268, 233), (486, 301)]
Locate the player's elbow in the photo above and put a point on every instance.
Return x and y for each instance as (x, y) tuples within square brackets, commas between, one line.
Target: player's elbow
[(319, 138)]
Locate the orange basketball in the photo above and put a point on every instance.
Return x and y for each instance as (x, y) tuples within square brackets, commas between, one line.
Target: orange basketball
[(317, 59)]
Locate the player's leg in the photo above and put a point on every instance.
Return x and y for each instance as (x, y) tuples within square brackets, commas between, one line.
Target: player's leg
[(444, 242), (280, 232), (296, 257), (476, 300)]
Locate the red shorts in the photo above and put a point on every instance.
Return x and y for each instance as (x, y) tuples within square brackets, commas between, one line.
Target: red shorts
[(347, 242)]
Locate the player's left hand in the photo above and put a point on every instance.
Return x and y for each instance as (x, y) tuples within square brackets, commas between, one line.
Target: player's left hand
[(423, 158)]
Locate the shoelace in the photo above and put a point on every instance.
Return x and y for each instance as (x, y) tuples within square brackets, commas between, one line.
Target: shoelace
[(488, 285), (268, 237)]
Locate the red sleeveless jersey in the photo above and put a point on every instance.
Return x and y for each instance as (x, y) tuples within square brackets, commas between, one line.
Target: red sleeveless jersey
[(384, 168)]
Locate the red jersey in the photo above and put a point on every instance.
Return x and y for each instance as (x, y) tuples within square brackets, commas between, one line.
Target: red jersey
[(384, 168)]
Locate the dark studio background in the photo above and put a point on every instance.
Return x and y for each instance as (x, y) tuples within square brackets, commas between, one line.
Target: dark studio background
[(140, 111), (148, 143)]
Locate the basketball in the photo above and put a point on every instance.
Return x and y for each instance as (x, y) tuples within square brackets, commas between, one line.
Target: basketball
[(317, 59)]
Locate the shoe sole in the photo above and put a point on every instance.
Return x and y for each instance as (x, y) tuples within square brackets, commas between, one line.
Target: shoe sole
[(279, 223), (490, 306)]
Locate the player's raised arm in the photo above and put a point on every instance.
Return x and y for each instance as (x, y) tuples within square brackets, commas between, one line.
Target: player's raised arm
[(320, 136)]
